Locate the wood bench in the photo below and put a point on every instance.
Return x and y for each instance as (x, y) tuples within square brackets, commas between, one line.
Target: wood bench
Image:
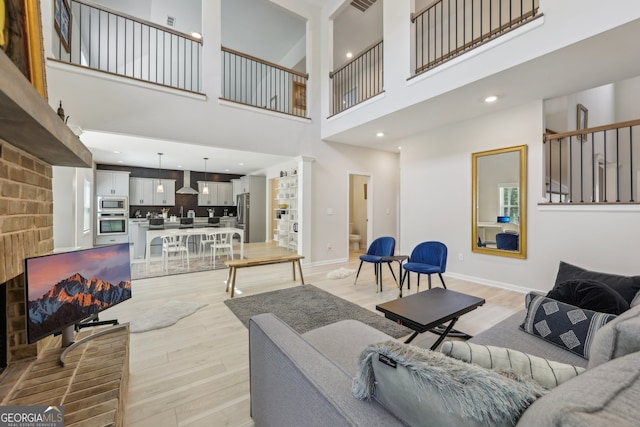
[(234, 264)]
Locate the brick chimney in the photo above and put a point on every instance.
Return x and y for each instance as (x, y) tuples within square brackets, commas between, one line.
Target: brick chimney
[(26, 230)]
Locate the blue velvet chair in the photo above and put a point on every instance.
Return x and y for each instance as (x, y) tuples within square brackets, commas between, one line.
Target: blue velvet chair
[(426, 258), (507, 241), (379, 248)]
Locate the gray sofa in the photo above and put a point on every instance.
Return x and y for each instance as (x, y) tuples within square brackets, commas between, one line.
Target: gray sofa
[(307, 379)]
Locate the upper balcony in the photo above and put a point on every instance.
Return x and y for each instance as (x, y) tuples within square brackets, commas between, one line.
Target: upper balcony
[(418, 67)]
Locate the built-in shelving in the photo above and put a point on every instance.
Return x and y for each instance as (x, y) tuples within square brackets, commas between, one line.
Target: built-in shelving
[(286, 212)]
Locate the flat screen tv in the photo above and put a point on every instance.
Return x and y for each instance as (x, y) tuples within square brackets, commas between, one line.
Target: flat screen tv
[(67, 288)]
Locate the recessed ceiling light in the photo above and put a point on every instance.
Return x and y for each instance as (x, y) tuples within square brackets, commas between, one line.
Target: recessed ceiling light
[(196, 35), (116, 152), (399, 147), (226, 170), (380, 134), (179, 166), (241, 164), (490, 99), (120, 161), (349, 55)]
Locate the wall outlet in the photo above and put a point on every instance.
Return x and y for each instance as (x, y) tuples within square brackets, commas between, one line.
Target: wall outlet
[(329, 247), (460, 257)]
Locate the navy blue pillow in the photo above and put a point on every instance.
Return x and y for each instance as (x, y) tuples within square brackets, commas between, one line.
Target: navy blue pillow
[(627, 286), (589, 294)]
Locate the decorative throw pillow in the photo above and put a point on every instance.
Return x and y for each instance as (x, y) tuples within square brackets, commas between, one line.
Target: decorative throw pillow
[(546, 372), (565, 325), (635, 301), (426, 387), (617, 338), (589, 294), (627, 286)]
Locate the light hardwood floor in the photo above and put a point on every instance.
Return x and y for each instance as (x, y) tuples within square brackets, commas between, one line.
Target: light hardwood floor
[(196, 372)]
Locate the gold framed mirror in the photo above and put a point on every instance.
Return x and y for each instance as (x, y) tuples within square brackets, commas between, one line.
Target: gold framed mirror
[(499, 202)]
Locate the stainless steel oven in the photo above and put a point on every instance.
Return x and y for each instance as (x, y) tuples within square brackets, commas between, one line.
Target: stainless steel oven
[(110, 224), (112, 204)]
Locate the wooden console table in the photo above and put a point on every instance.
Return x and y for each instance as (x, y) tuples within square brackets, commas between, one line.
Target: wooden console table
[(234, 264)]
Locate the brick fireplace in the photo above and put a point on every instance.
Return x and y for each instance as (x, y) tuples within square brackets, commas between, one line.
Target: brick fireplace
[(32, 139), (26, 230)]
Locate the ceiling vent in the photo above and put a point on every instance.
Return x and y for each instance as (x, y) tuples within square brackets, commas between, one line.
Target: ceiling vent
[(186, 189), (362, 5), (171, 21)]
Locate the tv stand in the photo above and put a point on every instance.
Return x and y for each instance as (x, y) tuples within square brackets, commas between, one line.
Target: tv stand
[(95, 322), (70, 331)]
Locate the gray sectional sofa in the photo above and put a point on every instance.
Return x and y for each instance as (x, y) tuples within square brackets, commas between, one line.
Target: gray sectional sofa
[(307, 379)]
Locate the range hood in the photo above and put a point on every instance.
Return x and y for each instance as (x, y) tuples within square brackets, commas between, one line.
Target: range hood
[(187, 185)]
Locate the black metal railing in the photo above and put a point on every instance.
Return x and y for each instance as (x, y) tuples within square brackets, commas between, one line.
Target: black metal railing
[(449, 28), (253, 81), (593, 165), (357, 80), (110, 41)]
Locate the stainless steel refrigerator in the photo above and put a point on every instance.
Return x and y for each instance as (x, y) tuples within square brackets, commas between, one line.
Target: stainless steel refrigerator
[(244, 214), (252, 216)]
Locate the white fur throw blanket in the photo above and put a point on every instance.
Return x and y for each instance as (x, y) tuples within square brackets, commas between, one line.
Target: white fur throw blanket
[(488, 397)]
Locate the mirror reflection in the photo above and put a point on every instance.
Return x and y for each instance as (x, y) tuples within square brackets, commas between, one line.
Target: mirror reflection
[(499, 202)]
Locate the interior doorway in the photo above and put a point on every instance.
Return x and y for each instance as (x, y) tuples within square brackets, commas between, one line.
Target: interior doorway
[(360, 224)]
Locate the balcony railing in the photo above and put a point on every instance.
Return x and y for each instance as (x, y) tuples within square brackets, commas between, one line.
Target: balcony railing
[(448, 28), (357, 80), (594, 165), (253, 81), (110, 41)]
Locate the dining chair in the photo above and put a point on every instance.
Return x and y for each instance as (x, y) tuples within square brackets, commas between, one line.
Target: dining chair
[(173, 244), (426, 258), (223, 245), (507, 241), (378, 249), (206, 239)]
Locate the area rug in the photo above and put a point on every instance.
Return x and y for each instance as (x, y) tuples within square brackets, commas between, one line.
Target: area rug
[(166, 315), (340, 273), (307, 307)]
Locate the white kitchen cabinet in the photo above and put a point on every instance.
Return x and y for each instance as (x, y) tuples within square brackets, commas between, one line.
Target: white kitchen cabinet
[(250, 183), (143, 192), (225, 194), (112, 183), (220, 194), (236, 185), (168, 196), (210, 199)]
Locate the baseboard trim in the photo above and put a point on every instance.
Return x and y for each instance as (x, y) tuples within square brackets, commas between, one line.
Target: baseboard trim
[(492, 283)]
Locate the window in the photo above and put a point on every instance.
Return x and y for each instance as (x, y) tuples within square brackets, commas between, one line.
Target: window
[(510, 202)]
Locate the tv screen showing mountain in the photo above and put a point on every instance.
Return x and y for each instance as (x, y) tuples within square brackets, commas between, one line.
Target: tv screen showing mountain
[(66, 288)]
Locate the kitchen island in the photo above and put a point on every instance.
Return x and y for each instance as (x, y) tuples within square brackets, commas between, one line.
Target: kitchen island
[(138, 228)]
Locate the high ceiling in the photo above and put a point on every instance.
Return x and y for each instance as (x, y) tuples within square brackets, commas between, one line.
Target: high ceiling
[(540, 78)]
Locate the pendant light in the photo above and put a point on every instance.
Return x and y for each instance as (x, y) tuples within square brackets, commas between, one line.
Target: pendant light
[(205, 190), (160, 188)]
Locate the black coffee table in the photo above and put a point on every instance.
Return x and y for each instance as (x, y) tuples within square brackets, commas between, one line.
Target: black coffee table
[(429, 310)]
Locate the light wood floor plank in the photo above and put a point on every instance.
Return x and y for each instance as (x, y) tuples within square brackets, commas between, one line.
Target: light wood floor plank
[(196, 372)]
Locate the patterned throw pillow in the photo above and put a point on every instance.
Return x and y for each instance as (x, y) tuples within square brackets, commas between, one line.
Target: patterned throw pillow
[(564, 325), (547, 373)]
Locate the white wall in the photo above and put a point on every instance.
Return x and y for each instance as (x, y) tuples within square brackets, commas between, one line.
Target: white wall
[(330, 196), (436, 205), (188, 15), (68, 207)]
